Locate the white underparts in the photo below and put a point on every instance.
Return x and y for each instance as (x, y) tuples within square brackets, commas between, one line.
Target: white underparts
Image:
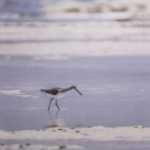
[(59, 95)]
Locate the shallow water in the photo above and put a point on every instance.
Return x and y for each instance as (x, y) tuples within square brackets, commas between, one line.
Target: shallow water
[(115, 92)]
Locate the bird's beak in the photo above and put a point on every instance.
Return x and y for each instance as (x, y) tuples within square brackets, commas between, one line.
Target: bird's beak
[(78, 92)]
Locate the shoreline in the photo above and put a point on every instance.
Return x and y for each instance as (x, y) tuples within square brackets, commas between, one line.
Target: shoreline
[(125, 138), (97, 133)]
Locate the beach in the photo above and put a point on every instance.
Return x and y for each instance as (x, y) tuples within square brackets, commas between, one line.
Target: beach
[(78, 138), (103, 49)]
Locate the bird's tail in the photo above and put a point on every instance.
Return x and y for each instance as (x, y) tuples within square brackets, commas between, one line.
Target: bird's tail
[(42, 90)]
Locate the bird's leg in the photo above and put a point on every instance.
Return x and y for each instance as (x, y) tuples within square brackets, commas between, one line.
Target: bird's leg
[(50, 103), (57, 104)]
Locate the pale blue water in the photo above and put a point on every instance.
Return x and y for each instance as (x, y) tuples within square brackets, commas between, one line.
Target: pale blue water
[(115, 92)]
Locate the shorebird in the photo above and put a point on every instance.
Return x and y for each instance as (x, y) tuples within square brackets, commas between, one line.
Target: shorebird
[(56, 93)]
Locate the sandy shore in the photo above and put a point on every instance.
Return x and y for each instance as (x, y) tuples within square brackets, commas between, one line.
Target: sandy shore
[(99, 134)]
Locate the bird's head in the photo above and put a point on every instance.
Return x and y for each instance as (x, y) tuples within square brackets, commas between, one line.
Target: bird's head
[(74, 88)]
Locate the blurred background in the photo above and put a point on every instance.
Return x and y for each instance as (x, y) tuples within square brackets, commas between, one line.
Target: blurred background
[(54, 10), (74, 21)]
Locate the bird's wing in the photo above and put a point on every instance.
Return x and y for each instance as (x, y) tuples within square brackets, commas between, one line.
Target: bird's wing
[(53, 91)]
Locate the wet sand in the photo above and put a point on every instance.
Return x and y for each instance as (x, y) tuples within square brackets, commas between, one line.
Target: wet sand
[(115, 92), (136, 137)]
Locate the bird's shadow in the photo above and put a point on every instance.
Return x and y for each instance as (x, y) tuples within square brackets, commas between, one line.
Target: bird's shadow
[(54, 121)]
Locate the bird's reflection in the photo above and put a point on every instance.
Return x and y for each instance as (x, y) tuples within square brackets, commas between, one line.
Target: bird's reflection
[(54, 121)]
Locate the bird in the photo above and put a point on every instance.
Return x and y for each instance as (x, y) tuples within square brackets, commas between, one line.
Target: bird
[(57, 92)]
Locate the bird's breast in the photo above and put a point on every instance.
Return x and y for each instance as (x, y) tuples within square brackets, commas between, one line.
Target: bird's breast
[(60, 95)]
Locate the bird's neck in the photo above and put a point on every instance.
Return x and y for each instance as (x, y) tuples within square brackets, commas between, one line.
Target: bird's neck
[(67, 89)]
